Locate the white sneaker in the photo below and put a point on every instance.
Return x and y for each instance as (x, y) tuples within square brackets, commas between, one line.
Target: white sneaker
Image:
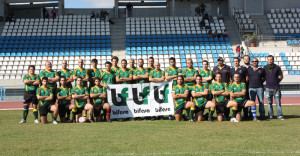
[(55, 122), (22, 121), (36, 121), (234, 120)]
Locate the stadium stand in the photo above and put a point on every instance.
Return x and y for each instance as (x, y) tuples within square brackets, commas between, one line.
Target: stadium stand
[(179, 37), (243, 21), (34, 41)]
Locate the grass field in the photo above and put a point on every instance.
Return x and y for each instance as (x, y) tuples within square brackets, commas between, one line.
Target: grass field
[(274, 137)]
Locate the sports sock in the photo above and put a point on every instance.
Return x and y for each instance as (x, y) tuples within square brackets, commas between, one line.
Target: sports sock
[(35, 114), (53, 118), (234, 109), (73, 114), (84, 115), (107, 114), (25, 112), (253, 110), (68, 115), (192, 112), (187, 112), (211, 113)]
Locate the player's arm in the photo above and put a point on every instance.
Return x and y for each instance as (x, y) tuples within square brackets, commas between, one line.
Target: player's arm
[(102, 95), (247, 79), (125, 79), (190, 79), (92, 95), (69, 98), (206, 79), (42, 98), (177, 96), (28, 82), (61, 97), (280, 78), (49, 98), (238, 94), (213, 92), (169, 78), (70, 79), (75, 96), (199, 94)]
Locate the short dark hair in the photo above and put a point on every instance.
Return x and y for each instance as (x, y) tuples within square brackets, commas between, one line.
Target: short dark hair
[(97, 78), (45, 78), (79, 77), (180, 76), (115, 57), (107, 62), (247, 56), (172, 58), (205, 61), (198, 76), (271, 56), (62, 77), (237, 73), (151, 58), (31, 66), (218, 73), (94, 60), (236, 58), (124, 60)]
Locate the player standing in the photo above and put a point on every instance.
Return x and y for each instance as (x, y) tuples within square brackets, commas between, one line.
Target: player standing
[(124, 75), (64, 99), (140, 74), (114, 61), (151, 64)]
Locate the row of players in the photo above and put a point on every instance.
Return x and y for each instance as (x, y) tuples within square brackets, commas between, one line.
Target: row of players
[(186, 85)]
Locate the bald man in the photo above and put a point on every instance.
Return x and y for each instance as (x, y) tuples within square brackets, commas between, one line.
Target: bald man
[(66, 73), (81, 72)]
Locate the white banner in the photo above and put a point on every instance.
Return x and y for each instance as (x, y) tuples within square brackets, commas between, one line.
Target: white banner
[(139, 100)]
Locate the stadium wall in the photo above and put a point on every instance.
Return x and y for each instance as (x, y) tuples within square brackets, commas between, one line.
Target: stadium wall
[(278, 4), (76, 11)]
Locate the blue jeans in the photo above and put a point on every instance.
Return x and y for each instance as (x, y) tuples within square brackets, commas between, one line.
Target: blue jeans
[(259, 92), (277, 96)]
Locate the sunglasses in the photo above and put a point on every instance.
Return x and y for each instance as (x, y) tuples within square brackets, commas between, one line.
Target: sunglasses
[(254, 61)]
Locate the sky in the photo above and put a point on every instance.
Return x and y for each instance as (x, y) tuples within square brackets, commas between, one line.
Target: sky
[(89, 3)]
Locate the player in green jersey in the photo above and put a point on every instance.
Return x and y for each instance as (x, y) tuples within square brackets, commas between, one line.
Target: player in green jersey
[(199, 92), (132, 68), (220, 91), (64, 100), (140, 74), (31, 82), (81, 72), (45, 95), (94, 72), (237, 91), (180, 93), (108, 76), (207, 76), (80, 94), (151, 64), (124, 76), (67, 73), (114, 62), (98, 95), (157, 75)]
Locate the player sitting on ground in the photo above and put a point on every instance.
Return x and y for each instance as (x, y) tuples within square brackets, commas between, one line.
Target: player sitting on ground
[(180, 93), (200, 92), (45, 97), (220, 91), (238, 93), (98, 95), (64, 99), (31, 82), (80, 95)]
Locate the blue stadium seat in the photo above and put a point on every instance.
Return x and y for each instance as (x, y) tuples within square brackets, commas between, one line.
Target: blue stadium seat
[(266, 54), (286, 63), (289, 42), (297, 72), (291, 73), (255, 55), (282, 54)]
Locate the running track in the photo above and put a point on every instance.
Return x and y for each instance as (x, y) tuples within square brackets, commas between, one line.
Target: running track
[(18, 105)]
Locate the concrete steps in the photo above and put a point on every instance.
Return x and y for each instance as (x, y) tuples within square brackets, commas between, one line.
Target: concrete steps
[(118, 37)]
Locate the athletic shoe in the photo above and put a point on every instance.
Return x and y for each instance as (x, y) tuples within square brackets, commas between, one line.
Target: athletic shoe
[(36, 121), (108, 120), (161, 118), (280, 118), (91, 121), (153, 118), (170, 117), (55, 122), (234, 120), (210, 119), (255, 120), (192, 120), (271, 117), (22, 121)]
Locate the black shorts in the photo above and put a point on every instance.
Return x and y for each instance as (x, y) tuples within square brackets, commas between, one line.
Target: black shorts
[(97, 109), (79, 110), (180, 109), (44, 110), (30, 97), (209, 97), (241, 105), (221, 107), (201, 108), (62, 109)]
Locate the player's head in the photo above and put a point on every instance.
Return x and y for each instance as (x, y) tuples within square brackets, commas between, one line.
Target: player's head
[(124, 63), (31, 69), (270, 59), (189, 63), (131, 63), (108, 65), (236, 61), (97, 81), (48, 65), (220, 61), (236, 77), (94, 63), (79, 81), (114, 61), (205, 64), (80, 63), (199, 79), (44, 81), (141, 63), (64, 64), (157, 65), (172, 62), (180, 79), (151, 61), (218, 77), (255, 62), (62, 80), (246, 59)]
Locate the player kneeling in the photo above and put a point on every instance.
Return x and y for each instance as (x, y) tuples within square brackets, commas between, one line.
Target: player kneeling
[(45, 97), (64, 99), (80, 95), (180, 93), (220, 91), (98, 95), (238, 93), (200, 92)]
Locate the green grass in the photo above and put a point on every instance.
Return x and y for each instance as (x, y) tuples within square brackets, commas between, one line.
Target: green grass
[(273, 137)]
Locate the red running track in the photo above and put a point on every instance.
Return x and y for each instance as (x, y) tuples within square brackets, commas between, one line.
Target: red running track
[(295, 101)]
